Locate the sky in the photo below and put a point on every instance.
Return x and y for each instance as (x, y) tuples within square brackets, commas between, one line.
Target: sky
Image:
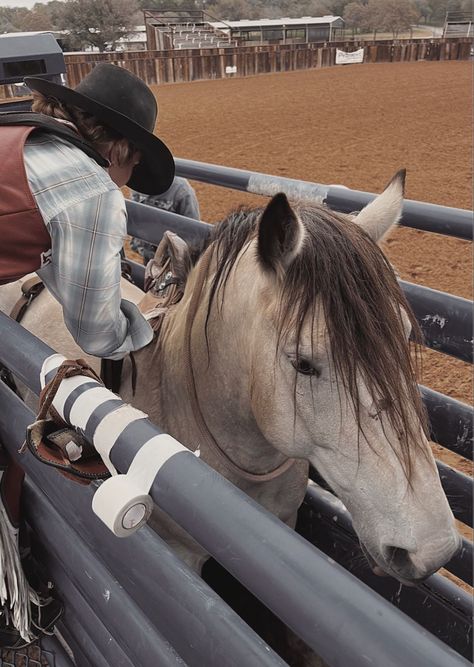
[(19, 3)]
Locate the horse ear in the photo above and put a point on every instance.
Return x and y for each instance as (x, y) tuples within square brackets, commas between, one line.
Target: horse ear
[(280, 234), (378, 217)]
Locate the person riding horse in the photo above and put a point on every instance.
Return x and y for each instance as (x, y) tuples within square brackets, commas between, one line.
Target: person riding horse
[(63, 216)]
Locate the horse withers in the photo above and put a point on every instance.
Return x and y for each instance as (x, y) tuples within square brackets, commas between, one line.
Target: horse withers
[(290, 345)]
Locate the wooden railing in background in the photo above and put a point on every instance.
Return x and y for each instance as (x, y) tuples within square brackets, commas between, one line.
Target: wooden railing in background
[(158, 67)]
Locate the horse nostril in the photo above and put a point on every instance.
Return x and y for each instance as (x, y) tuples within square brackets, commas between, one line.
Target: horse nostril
[(396, 557)]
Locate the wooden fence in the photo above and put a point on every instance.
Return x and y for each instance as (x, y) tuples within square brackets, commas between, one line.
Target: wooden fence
[(173, 66), (156, 67)]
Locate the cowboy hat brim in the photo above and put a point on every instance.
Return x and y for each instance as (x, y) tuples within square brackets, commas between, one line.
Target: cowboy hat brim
[(155, 172)]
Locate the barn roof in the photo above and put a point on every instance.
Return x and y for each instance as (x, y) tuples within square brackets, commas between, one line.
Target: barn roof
[(276, 23)]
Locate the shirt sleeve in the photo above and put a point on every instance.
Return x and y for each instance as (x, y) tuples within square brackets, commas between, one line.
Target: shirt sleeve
[(84, 276)]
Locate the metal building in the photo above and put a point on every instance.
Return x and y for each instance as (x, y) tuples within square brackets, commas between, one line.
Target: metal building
[(284, 30)]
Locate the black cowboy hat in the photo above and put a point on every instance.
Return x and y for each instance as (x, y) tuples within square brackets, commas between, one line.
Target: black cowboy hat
[(123, 102)]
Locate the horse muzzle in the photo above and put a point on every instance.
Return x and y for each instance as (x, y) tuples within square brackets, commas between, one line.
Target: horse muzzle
[(411, 568)]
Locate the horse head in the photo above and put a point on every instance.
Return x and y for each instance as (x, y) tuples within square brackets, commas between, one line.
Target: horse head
[(307, 332)]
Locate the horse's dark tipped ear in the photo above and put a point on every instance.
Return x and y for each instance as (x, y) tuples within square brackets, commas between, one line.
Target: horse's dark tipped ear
[(399, 178), (279, 234)]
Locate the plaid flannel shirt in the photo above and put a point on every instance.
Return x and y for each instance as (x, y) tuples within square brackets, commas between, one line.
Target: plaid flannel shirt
[(84, 212)]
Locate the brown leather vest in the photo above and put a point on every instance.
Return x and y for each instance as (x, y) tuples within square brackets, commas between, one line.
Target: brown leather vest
[(24, 237)]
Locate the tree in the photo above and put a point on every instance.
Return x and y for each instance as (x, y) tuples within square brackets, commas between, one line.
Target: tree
[(424, 9), (356, 17), (99, 24), (314, 8), (171, 5), (232, 10), (40, 18), (392, 16), (11, 18), (438, 9), (337, 7), (251, 9)]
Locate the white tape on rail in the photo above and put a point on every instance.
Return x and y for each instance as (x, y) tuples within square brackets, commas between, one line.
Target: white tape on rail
[(110, 429), (122, 502), (87, 402), (263, 184), (50, 364)]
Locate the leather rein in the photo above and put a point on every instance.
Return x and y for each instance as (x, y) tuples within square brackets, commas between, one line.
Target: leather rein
[(206, 435)]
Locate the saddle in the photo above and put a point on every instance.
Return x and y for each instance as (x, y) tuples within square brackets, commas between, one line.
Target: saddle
[(165, 279)]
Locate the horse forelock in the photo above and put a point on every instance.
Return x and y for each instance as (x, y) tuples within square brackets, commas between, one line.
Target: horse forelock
[(339, 267)]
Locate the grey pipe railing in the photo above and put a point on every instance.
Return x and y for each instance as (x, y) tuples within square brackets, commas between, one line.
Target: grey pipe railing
[(300, 585), (438, 604), (168, 593), (419, 215), (135, 639)]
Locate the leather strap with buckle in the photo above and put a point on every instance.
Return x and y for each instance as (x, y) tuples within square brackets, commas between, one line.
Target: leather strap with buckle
[(29, 291)]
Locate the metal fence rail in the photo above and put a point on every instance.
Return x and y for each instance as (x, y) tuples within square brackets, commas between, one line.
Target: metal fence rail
[(420, 215), (122, 638), (172, 597), (439, 605), (451, 422), (445, 320), (296, 582)]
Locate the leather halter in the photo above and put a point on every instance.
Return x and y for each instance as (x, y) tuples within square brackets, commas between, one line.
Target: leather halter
[(206, 435)]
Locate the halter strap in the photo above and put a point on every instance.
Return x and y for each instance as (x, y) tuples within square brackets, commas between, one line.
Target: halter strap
[(29, 291), (205, 433)]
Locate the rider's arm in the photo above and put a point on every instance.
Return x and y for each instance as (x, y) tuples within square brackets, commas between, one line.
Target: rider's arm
[(84, 276)]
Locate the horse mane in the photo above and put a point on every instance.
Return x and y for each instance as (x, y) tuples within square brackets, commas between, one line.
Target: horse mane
[(345, 270)]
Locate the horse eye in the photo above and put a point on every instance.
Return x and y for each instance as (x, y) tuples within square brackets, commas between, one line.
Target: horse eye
[(305, 367)]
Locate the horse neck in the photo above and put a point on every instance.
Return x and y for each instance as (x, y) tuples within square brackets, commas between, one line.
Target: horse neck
[(222, 385), (215, 377)]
